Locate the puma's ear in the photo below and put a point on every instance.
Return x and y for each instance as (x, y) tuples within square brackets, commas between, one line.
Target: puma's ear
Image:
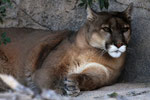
[(128, 11), (91, 15)]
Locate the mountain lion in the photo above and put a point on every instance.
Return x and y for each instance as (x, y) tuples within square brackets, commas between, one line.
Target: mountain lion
[(69, 62)]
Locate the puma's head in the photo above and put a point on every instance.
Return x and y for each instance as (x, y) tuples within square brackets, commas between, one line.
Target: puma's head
[(109, 31)]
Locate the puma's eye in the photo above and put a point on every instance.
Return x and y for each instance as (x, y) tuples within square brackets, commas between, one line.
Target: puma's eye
[(125, 29), (106, 29)]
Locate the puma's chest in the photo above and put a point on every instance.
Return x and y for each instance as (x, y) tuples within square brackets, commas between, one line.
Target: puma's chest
[(91, 59), (86, 60)]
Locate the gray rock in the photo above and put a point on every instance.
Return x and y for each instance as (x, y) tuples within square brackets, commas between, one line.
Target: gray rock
[(145, 4), (122, 91), (47, 14)]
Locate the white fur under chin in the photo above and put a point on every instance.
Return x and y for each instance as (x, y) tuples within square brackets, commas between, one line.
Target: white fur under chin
[(115, 52)]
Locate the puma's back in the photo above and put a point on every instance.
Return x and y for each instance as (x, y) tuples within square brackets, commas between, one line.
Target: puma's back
[(27, 50)]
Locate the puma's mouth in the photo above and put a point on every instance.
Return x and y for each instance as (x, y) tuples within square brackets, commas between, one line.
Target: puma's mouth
[(116, 52)]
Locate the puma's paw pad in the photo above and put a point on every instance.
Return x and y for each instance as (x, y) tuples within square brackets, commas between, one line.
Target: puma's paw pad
[(71, 87)]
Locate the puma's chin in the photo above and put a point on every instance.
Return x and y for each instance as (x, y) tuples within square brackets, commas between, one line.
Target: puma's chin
[(116, 52)]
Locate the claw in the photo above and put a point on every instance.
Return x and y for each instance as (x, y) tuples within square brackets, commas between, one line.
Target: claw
[(71, 87)]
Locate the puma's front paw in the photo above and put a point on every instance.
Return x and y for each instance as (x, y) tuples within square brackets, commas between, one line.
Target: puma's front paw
[(71, 87)]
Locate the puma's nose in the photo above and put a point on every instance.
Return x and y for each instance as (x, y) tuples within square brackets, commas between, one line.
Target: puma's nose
[(119, 44)]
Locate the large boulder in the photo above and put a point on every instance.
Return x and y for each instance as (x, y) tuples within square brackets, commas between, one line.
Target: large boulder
[(47, 14)]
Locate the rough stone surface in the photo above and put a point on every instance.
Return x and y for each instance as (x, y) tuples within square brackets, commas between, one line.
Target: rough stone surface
[(52, 14), (65, 14), (123, 91), (145, 4), (119, 91)]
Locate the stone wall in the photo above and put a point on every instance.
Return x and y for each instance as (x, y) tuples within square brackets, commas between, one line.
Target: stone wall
[(45, 14), (65, 14)]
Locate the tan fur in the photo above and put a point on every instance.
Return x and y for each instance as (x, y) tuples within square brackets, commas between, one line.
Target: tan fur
[(62, 61)]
